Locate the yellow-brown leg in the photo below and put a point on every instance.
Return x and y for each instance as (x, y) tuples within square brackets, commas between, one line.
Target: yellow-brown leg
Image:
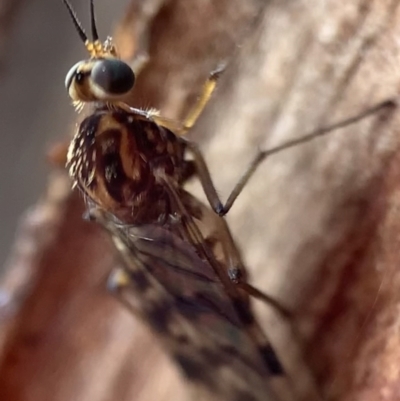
[(181, 128), (208, 89)]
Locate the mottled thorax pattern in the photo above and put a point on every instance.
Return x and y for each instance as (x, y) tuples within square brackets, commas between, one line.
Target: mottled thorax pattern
[(113, 157)]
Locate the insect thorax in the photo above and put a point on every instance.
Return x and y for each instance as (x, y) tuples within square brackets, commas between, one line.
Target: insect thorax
[(113, 158)]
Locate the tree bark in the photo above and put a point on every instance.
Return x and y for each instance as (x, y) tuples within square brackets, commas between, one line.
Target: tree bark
[(317, 223)]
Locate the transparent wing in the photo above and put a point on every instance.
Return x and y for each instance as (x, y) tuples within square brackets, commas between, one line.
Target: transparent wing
[(176, 292)]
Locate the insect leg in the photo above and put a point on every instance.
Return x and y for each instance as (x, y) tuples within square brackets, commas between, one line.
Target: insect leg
[(181, 128), (235, 268), (178, 127), (242, 308), (258, 294), (208, 89), (204, 174)]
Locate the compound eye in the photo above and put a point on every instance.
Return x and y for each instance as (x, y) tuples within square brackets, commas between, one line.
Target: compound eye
[(71, 75), (113, 76)]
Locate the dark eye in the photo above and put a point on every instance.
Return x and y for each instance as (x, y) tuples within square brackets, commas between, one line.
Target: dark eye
[(79, 77), (113, 76)]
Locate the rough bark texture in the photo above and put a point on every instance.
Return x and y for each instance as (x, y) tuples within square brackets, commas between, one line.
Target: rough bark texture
[(317, 224)]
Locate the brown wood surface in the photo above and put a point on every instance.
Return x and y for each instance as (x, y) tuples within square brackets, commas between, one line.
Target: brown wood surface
[(317, 224)]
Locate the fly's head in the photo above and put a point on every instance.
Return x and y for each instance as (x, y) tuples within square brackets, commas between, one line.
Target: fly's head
[(103, 77)]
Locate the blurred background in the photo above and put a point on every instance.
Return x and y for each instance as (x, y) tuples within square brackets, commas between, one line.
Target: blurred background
[(38, 49)]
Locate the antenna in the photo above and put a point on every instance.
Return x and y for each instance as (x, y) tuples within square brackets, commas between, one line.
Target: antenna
[(76, 22), (95, 35)]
